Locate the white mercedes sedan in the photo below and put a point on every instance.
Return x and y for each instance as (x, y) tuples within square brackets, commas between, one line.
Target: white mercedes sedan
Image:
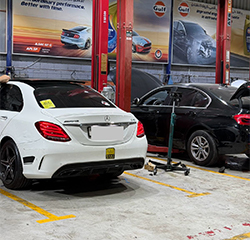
[(63, 129)]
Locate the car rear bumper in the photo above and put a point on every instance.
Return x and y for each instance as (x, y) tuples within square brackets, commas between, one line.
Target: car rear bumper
[(52, 160), (104, 167)]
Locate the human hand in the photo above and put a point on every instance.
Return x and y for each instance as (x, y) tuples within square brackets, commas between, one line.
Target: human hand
[(4, 78)]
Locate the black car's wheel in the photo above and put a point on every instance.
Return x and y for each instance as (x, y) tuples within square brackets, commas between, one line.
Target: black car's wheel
[(11, 167), (201, 148), (87, 44)]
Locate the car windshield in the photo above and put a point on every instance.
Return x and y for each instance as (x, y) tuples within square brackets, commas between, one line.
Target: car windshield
[(194, 29), (135, 33), (226, 92), (68, 95)]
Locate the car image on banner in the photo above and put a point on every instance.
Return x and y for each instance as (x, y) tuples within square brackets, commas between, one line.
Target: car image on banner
[(78, 36), (192, 42), (140, 44), (52, 129)]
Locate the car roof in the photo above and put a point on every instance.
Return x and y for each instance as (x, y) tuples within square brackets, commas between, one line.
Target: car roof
[(45, 82)]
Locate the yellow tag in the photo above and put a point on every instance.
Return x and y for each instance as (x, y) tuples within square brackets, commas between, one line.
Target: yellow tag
[(110, 153), (47, 104)]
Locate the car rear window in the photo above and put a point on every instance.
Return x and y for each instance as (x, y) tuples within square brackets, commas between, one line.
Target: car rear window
[(69, 95), (226, 92)]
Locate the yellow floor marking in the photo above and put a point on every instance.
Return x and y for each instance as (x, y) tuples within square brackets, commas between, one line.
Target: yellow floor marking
[(207, 170), (51, 217), (239, 237), (192, 194)]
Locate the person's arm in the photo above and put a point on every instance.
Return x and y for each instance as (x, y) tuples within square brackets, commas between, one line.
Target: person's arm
[(4, 78)]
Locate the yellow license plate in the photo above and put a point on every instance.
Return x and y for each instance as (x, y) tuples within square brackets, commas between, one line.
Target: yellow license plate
[(110, 153)]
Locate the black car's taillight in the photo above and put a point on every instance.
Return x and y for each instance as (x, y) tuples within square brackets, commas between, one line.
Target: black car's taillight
[(242, 119), (52, 131), (140, 130)]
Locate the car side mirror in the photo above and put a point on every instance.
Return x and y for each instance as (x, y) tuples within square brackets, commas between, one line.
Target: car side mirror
[(136, 101)]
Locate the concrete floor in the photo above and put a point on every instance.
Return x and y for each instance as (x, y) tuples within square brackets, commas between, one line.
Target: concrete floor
[(205, 204)]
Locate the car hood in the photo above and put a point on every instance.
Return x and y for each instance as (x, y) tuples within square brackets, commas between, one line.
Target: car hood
[(242, 91), (140, 39)]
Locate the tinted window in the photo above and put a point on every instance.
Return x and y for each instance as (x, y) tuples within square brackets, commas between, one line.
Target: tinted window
[(158, 96), (78, 28), (194, 29), (187, 98), (135, 33), (69, 95), (11, 98), (200, 100)]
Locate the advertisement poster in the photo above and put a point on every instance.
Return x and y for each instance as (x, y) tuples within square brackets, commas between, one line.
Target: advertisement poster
[(150, 39), (62, 28), (52, 28), (194, 34)]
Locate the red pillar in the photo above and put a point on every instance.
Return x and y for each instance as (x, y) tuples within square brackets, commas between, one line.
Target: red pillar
[(99, 64), (223, 41), (124, 53)]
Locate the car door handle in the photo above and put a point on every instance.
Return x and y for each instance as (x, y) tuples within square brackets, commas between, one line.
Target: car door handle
[(3, 118)]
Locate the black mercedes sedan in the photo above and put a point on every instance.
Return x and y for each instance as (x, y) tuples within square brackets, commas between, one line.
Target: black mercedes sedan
[(210, 119)]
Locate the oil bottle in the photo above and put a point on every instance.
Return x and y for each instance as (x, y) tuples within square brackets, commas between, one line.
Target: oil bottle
[(247, 35)]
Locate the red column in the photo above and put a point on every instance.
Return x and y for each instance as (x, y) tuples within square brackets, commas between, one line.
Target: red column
[(223, 41), (99, 64), (124, 53)]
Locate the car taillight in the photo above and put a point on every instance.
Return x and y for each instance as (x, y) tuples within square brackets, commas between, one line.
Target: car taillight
[(140, 130), (62, 33), (76, 36), (242, 119), (52, 131)]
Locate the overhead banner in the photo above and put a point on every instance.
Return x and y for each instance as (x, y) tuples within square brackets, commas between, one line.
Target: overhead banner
[(150, 38), (52, 28), (63, 28), (194, 34)]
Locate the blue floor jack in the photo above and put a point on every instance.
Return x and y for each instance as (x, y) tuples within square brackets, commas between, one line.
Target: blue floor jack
[(152, 165)]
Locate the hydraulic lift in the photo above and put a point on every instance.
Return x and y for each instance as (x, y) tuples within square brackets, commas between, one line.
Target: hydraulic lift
[(223, 41), (99, 64)]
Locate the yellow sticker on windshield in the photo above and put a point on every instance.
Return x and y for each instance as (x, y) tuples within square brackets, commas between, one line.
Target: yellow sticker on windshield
[(47, 103)]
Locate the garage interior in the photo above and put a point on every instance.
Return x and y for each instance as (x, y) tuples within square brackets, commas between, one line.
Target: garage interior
[(208, 203)]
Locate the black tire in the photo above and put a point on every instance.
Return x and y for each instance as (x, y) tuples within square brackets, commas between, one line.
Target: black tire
[(87, 44), (11, 167), (201, 148)]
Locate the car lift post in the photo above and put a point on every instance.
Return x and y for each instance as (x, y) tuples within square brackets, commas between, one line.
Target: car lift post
[(124, 53), (223, 41), (99, 63), (152, 165)]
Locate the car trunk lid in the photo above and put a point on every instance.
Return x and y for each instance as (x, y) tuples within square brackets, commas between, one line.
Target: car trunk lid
[(242, 91), (98, 126)]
